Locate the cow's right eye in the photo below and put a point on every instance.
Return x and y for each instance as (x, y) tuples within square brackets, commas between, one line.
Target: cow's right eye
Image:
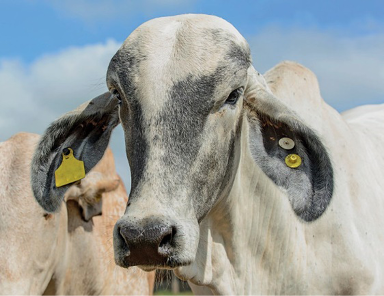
[(234, 96)]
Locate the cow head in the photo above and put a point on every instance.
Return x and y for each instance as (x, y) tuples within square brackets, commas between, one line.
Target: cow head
[(190, 104)]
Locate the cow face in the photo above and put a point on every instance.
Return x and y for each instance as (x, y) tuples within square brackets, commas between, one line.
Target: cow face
[(191, 104), (181, 87), (186, 88)]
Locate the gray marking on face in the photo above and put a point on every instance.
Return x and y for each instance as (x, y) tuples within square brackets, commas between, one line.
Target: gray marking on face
[(125, 65), (216, 174), (183, 117), (135, 141), (181, 124), (240, 55)]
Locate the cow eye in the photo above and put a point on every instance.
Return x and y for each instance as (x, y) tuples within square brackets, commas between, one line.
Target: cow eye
[(234, 96), (116, 94)]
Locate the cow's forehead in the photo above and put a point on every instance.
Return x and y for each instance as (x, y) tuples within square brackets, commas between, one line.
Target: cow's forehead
[(187, 38), (165, 51)]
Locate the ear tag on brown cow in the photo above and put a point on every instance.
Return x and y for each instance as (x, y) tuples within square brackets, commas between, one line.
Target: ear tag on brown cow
[(293, 161), (70, 170)]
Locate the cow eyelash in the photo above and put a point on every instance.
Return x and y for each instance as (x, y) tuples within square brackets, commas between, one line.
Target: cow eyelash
[(234, 96)]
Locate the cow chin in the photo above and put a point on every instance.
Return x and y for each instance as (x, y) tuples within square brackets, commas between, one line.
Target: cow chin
[(155, 243)]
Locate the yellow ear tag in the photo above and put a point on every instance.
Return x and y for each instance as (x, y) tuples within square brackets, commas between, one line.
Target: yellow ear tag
[(293, 161), (70, 170)]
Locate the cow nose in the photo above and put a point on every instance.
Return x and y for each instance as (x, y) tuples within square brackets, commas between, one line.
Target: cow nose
[(144, 244)]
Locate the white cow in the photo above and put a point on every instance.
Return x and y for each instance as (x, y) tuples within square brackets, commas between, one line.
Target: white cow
[(68, 252), (242, 184)]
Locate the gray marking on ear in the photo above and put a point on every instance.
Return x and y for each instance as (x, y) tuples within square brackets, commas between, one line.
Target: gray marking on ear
[(310, 186)]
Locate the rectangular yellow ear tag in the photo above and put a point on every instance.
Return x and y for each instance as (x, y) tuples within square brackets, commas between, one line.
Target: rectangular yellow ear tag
[(70, 170)]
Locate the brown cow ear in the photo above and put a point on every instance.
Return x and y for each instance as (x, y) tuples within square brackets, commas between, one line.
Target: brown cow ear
[(86, 131), (88, 211), (91, 200), (89, 193), (288, 152)]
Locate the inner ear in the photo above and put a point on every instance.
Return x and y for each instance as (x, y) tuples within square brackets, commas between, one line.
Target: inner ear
[(310, 185)]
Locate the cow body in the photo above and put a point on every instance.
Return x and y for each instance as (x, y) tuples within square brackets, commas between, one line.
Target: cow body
[(214, 195), (336, 254), (60, 253)]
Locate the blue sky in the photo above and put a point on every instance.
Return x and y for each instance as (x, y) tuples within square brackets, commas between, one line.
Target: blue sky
[(33, 28), (54, 53)]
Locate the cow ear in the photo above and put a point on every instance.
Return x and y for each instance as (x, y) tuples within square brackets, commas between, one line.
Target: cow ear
[(86, 131), (91, 200), (89, 193), (287, 151)]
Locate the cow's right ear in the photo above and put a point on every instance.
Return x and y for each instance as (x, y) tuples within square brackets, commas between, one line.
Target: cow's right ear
[(86, 131), (289, 152)]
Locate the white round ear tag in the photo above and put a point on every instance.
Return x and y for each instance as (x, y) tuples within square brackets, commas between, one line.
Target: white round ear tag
[(286, 143)]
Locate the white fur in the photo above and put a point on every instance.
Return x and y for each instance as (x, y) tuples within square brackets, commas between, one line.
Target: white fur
[(251, 241), (267, 249)]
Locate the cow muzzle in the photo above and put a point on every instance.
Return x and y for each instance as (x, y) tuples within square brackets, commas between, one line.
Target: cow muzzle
[(145, 243)]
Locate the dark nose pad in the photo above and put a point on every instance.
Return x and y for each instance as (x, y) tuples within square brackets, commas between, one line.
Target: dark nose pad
[(151, 244)]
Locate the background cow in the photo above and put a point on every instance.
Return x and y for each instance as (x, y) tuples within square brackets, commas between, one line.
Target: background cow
[(239, 185), (69, 252)]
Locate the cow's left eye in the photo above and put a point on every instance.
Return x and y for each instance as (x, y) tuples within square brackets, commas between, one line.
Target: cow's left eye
[(117, 95), (234, 96)]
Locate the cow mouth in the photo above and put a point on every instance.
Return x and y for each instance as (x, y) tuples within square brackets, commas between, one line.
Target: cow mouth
[(154, 243), (169, 263)]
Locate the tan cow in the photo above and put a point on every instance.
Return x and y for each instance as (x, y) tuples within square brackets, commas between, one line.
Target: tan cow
[(69, 252)]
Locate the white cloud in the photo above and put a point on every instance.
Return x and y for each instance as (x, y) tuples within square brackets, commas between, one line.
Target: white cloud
[(34, 95), (350, 69)]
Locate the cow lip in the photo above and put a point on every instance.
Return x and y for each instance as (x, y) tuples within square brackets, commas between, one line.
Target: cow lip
[(167, 267), (147, 268), (170, 264)]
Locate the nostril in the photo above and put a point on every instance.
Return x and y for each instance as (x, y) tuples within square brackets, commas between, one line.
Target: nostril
[(121, 236), (166, 243), (167, 240)]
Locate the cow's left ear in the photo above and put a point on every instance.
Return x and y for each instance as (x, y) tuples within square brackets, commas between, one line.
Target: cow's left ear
[(287, 150), (86, 131)]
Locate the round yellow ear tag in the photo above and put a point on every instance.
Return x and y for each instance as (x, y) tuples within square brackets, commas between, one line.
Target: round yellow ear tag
[(293, 161), (70, 170)]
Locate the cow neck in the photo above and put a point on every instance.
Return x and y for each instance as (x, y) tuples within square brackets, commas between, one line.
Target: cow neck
[(255, 235)]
